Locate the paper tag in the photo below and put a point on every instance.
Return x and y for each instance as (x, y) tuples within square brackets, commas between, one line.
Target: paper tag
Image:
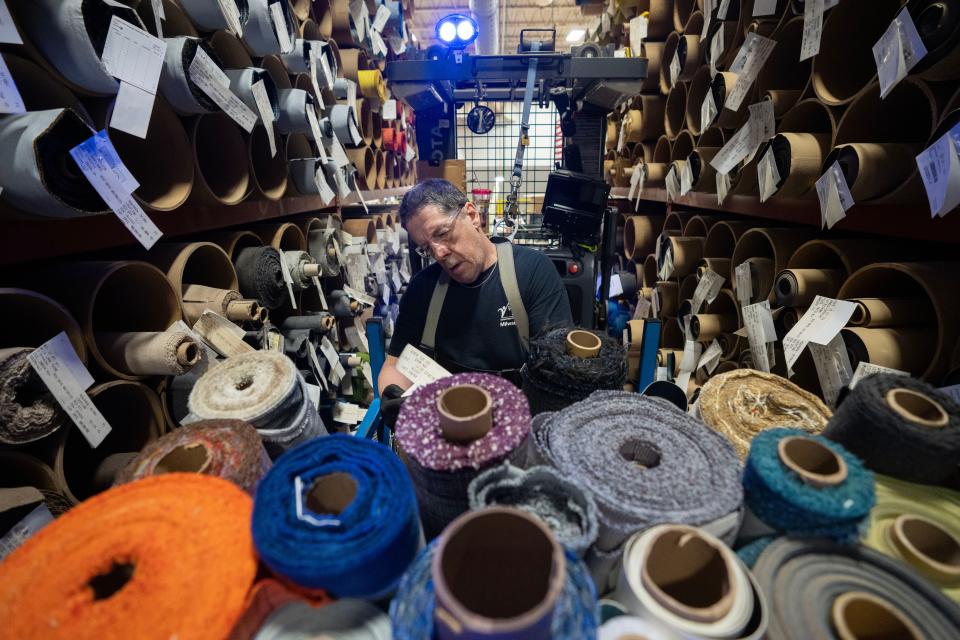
[(833, 367), (100, 164), (812, 28), (359, 297), (132, 109), (723, 187), (389, 110), (232, 14), (760, 126), (865, 370), (395, 279), (897, 51), (642, 310), (744, 283), (638, 33), (418, 368), (686, 177), (675, 68), (288, 279), (819, 324), (750, 59), (691, 355), (666, 266), (758, 321), (333, 358), (621, 137), (707, 289), (158, 15), (8, 30), (377, 45), (313, 392), (381, 18), (723, 9), (764, 7), (57, 364), (940, 169), (347, 412), (767, 175), (133, 55), (673, 185), (711, 357), (717, 45), (221, 334), (834, 195), (10, 100), (708, 111), (37, 519), (320, 179), (259, 90), (208, 77), (280, 27), (708, 6)]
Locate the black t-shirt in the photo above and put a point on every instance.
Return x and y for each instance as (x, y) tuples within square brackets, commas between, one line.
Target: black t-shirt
[(476, 328)]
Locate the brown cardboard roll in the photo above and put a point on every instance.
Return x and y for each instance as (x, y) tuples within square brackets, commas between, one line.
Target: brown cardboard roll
[(669, 296), (783, 70), (704, 175), (203, 263), (653, 52), (877, 313), (726, 305), (301, 9), (352, 61), (645, 123), (465, 412), (798, 287), (323, 17), (675, 222), (381, 160), (377, 133), (40, 90), (699, 87), (845, 65), (907, 349), (722, 238), (799, 158), (776, 245), (650, 271), (689, 53), (366, 163), (31, 318), (175, 21), (706, 327), (341, 21), (935, 283), (687, 252), (720, 266), (688, 285), (939, 28), (640, 235), (612, 134), (268, 172), (278, 71), (222, 172), (674, 116), (811, 116), (232, 53), (283, 236), (723, 84), (683, 146), (745, 182), (309, 30), (671, 336), (669, 52), (859, 614), (157, 353), (731, 38), (661, 21), (782, 99), (682, 10), (699, 225), (873, 169), (851, 254), (643, 151), (360, 227)]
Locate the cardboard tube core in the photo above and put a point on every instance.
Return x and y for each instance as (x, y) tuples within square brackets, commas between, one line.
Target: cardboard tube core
[(243, 310), (917, 408), (465, 412), (689, 575), (583, 344), (815, 463), (190, 458), (188, 354), (798, 287), (858, 615), (889, 312), (331, 493), (707, 326), (930, 548)]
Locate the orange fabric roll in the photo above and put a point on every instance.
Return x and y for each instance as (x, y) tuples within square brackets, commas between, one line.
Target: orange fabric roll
[(186, 538)]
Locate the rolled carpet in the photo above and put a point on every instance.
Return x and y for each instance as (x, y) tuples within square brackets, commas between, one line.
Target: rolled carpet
[(150, 353), (228, 449), (803, 485), (265, 389), (576, 613), (28, 411), (556, 374), (339, 514), (900, 427), (918, 525), (742, 403), (261, 275), (349, 619), (159, 558), (566, 508), (441, 464), (812, 585)]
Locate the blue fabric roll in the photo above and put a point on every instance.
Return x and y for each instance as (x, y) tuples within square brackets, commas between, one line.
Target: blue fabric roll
[(780, 499), (360, 552), (576, 616)]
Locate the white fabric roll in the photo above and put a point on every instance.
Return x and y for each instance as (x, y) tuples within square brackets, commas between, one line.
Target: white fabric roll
[(259, 33)]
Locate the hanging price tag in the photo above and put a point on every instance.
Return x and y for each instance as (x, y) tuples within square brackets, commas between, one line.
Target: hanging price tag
[(708, 6), (215, 84), (750, 59), (280, 27), (898, 51), (812, 28), (8, 29), (940, 169), (686, 177), (819, 324), (764, 7), (711, 357), (10, 99), (707, 290), (259, 91), (232, 14), (865, 370), (834, 195), (744, 283), (768, 176), (833, 367), (758, 321), (708, 111), (288, 279), (723, 187)]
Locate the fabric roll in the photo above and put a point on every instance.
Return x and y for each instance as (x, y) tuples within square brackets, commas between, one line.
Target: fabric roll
[(324, 245), (293, 106), (298, 60), (900, 427), (442, 469), (28, 411), (782, 501), (688, 583), (37, 173), (554, 379), (260, 275), (241, 83), (176, 84), (265, 389), (260, 33), (303, 173), (297, 262), (71, 35), (567, 509), (371, 84), (802, 580), (344, 121), (743, 403), (349, 619), (228, 449), (338, 514), (150, 353), (633, 627), (412, 609), (181, 566), (208, 15), (937, 506), (265, 598)]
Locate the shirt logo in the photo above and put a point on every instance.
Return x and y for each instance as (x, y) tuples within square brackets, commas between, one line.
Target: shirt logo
[(506, 316)]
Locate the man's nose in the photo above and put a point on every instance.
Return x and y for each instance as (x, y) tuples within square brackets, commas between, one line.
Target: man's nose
[(440, 252)]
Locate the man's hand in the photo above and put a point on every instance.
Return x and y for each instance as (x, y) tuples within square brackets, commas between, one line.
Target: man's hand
[(391, 399)]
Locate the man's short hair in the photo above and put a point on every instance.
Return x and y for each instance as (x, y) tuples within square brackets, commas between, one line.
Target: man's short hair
[(435, 191)]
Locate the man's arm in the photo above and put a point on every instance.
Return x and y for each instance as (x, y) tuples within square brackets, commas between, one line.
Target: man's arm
[(545, 297), (390, 375)]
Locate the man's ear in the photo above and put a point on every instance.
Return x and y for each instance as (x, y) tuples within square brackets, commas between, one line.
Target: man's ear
[(474, 214)]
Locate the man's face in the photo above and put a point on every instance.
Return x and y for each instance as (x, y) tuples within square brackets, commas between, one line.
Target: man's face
[(454, 240)]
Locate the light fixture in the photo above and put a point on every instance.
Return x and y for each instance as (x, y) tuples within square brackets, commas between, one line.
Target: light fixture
[(576, 35), (457, 31)]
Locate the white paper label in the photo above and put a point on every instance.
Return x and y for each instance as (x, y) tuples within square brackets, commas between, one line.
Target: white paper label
[(347, 412), (723, 9), (389, 110), (333, 358), (812, 28), (717, 45), (819, 324), (750, 59), (708, 111), (675, 68), (10, 99), (8, 30), (132, 55), (764, 7), (642, 310), (57, 364), (686, 177), (205, 73), (760, 126), (280, 27), (37, 519), (232, 14), (833, 367), (326, 193), (358, 296), (259, 90), (673, 185), (418, 367), (723, 187), (381, 18), (865, 370), (767, 175), (744, 283), (758, 321), (707, 289), (158, 15), (638, 33), (834, 195), (635, 178), (940, 169), (711, 357), (288, 279), (898, 51), (132, 109)]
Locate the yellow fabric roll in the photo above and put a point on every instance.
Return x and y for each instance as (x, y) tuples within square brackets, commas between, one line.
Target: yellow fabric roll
[(371, 85), (896, 498)]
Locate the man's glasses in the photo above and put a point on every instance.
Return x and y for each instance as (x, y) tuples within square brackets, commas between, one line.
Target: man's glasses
[(441, 237)]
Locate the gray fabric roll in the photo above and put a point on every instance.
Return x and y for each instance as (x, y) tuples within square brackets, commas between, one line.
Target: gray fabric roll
[(292, 115), (242, 81), (344, 122), (184, 96), (37, 173), (303, 172), (207, 15), (327, 51), (568, 510), (348, 619), (259, 34), (71, 34), (322, 242), (295, 262), (298, 60)]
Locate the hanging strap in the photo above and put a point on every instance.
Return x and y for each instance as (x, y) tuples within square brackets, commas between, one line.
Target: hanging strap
[(429, 337), (508, 279)]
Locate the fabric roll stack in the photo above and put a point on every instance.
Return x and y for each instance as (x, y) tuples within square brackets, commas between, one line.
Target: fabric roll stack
[(162, 557), (646, 463), (813, 587), (918, 525), (348, 619), (228, 449), (685, 582), (265, 389), (900, 427), (568, 510), (743, 403), (28, 411), (556, 374), (338, 514), (260, 274), (802, 485), (442, 463)]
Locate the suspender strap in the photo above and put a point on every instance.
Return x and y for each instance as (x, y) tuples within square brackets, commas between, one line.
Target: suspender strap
[(508, 279), (429, 337)]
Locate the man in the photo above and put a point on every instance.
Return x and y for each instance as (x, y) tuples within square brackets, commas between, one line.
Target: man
[(474, 325)]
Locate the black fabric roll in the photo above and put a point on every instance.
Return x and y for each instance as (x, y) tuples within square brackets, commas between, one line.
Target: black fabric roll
[(261, 275), (889, 443), (28, 411), (553, 379), (801, 579)]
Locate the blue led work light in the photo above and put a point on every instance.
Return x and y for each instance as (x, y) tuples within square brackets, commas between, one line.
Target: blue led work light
[(457, 31)]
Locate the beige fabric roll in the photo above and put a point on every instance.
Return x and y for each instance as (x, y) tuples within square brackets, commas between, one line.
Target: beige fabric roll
[(150, 353)]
